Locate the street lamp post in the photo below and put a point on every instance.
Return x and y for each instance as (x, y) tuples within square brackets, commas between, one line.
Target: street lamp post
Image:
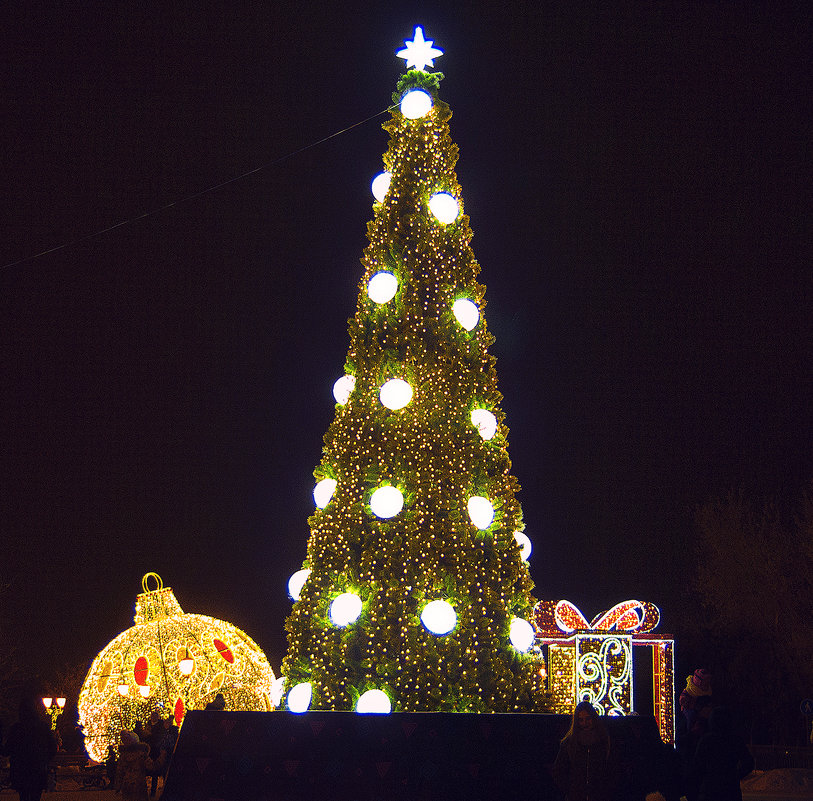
[(54, 707)]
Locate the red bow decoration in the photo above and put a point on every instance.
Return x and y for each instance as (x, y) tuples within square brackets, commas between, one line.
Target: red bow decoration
[(556, 617)]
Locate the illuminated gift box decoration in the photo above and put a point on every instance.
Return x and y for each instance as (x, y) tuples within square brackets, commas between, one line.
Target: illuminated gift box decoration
[(594, 661), (169, 662)]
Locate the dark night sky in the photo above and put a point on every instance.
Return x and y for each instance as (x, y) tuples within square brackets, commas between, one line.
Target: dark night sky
[(638, 179)]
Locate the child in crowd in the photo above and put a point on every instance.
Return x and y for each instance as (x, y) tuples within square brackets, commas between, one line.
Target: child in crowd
[(131, 768)]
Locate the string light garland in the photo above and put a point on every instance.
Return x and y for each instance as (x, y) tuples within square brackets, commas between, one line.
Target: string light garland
[(169, 662), (187, 198), (440, 596)]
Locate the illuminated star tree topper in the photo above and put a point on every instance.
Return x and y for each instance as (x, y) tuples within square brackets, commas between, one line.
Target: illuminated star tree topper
[(419, 52)]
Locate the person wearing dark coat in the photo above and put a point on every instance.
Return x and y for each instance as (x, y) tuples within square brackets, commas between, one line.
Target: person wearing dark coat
[(721, 761), (30, 746), (650, 765), (154, 737), (131, 768), (217, 705), (587, 767)]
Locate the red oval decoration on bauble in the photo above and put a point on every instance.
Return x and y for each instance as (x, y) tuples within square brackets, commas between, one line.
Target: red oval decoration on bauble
[(141, 670), (224, 651), (178, 712)]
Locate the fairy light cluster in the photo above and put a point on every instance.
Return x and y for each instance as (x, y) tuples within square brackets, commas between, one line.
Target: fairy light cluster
[(170, 662), (593, 661), (421, 522)]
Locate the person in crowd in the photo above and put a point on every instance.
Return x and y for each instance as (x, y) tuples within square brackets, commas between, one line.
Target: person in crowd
[(167, 746), (650, 766), (721, 761), (154, 737), (131, 768), (218, 704), (695, 697), (587, 767), (30, 746), (110, 765), (160, 765), (687, 738)]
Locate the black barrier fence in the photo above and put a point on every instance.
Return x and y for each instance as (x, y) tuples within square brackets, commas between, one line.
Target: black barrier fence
[(772, 757), (344, 756)]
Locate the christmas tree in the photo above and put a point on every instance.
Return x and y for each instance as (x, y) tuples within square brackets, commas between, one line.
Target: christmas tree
[(415, 594)]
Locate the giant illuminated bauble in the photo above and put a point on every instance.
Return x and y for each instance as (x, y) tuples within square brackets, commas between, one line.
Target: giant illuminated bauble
[(345, 609), (416, 104), (395, 394), (374, 702), (386, 502), (466, 313), (445, 207), (521, 634), (225, 660), (485, 423), (439, 617), (323, 492), (299, 698), (343, 388), (297, 582), (481, 512), (524, 543), (380, 185), (382, 287)]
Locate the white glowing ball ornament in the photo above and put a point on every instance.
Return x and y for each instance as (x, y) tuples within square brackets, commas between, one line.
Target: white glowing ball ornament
[(445, 207), (345, 609), (481, 511), (297, 582), (374, 702), (485, 423), (343, 388), (380, 185), (277, 688), (466, 313), (395, 394), (323, 492), (386, 502), (382, 287), (439, 617), (299, 698), (416, 104), (524, 543), (521, 634)]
